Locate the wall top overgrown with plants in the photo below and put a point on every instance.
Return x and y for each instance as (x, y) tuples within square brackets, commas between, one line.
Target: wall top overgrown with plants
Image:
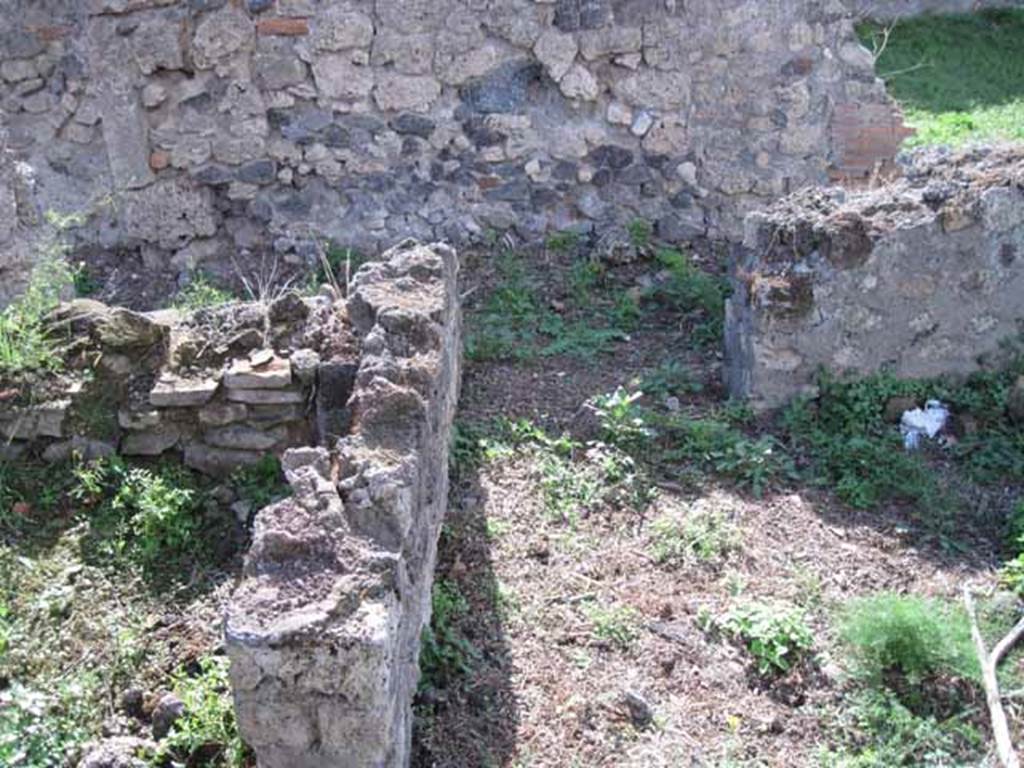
[(220, 386)]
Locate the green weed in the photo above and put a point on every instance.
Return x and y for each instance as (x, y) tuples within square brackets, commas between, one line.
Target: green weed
[(691, 290), (907, 639), (262, 483), (83, 281), (718, 447), (44, 729), (152, 517), (622, 420), (26, 343), (562, 242), (640, 233), (445, 653), (201, 293), (776, 634), (617, 625), (670, 379), (206, 736), (876, 730), (702, 535)]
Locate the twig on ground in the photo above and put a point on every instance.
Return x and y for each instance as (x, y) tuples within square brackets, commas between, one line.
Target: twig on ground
[(989, 662)]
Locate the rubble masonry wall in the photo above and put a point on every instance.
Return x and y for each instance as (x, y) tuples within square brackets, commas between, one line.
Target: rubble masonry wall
[(324, 631), (922, 277), (190, 131)]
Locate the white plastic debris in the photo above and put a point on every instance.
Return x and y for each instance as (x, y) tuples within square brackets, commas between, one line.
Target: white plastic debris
[(926, 422)]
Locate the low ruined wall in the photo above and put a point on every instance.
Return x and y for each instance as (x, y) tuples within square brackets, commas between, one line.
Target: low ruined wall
[(220, 388), (885, 10), (324, 631), (192, 132), (922, 278)]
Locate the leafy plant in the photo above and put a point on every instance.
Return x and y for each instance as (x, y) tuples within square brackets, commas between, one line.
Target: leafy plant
[(853, 449), (445, 653), (622, 420), (776, 635), (640, 233), (618, 625), (206, 735), (670, 378), (338, 265), (876, 730), (563, 241), (690, 289), (909, 637), (703, 535), (721, 448), (163, 514), (201, 293), (262, 483), (43, 729), (151, 516), (1012, 573), (84, 283), (26, 343)]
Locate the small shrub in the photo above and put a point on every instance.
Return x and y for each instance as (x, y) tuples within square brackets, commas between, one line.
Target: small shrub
[(720, 448), (151, 516), (84, 283), (706, 536), (584, 279), (337, 266), (1012, 573), (776, 635), (851, 448), (445, 653), (562, 242), (206, 736), (617, 625), (622, 420), (911, 637), (201, 293), (568, 488), (163, 515)]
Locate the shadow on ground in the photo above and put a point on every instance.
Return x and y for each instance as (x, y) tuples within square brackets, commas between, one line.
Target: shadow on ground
[(468, 715)]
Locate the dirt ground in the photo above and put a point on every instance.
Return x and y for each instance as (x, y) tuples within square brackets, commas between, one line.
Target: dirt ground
[(542, 689)]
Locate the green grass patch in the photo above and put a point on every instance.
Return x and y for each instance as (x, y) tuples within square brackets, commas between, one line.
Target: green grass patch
[(201, 293), (959, 78), (26, 344)]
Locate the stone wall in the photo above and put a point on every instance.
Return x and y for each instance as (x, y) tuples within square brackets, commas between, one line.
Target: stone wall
[(194, 131), (923, 277), (324, 631), (884, 10), (220, 388)]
